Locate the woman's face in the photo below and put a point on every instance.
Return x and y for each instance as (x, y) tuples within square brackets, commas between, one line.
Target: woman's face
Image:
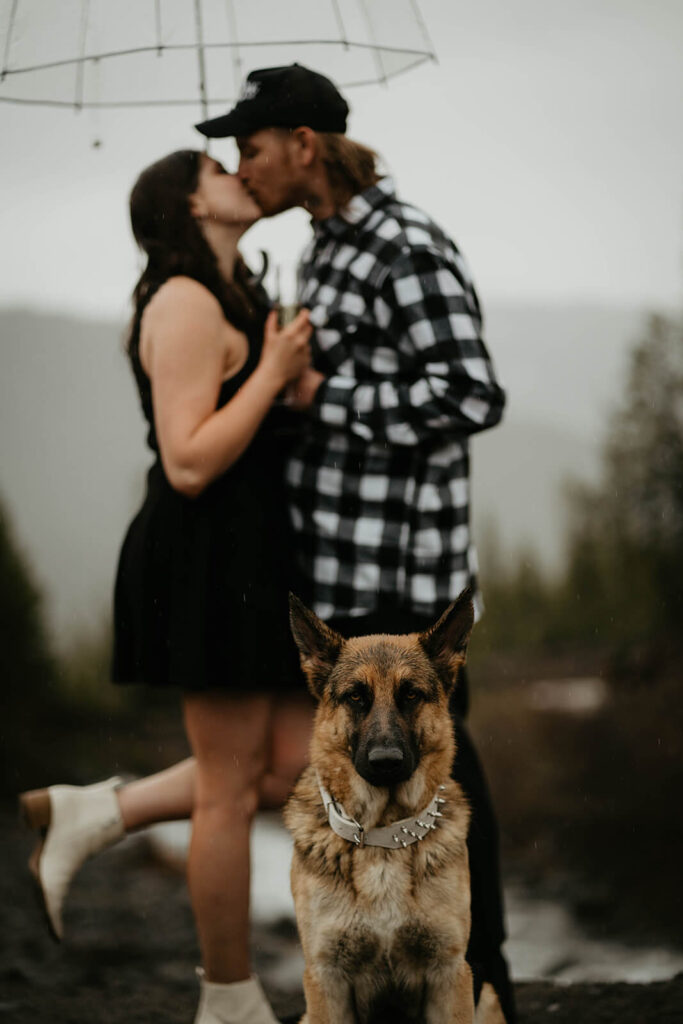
[(221, 197)]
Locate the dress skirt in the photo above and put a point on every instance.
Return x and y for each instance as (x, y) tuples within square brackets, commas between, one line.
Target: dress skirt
[(201, 595)]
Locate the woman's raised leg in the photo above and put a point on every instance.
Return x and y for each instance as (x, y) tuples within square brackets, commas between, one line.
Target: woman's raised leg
[(165, 796), (91, 811)]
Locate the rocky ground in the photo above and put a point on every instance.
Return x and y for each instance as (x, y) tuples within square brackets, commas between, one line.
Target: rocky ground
[(131, 951)]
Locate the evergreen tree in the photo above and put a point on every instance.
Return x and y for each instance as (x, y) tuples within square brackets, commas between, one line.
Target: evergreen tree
[(625, 568), (26, 664), (27, 668)]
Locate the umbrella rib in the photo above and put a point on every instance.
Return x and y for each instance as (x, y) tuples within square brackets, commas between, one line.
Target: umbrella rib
[(105, 104), (78, 98), (157, 22), (423, 28), (8, 40), (340, 23), (371, 32), (236, 59), (200, 58)]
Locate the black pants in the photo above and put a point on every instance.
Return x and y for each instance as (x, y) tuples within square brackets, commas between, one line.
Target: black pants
[(487, 932)]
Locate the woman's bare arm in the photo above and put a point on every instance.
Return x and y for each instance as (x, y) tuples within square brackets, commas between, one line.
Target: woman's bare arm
[(185, 346)]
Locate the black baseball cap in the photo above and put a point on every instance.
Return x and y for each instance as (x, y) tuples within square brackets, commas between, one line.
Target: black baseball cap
[(284, 97)]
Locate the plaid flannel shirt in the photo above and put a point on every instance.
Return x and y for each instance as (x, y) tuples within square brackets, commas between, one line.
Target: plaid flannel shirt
[(379, 480)]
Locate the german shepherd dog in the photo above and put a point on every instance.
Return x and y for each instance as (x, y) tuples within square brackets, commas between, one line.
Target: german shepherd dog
[(380, 874)]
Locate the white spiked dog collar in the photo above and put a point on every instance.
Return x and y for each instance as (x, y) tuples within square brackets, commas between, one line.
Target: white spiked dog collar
[(391, 837)]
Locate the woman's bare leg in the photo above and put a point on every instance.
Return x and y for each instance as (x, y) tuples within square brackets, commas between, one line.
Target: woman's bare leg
[(291, 725), (165, 796), (229, 738)]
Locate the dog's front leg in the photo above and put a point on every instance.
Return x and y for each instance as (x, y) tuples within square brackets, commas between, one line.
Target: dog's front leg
[(450, 996), (328, 998)]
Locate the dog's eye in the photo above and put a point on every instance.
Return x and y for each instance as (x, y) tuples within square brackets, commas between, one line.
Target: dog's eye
[(358, 697), (410, 695)]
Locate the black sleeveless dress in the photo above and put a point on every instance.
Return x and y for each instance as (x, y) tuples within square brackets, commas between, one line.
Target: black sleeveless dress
[(201, 589)]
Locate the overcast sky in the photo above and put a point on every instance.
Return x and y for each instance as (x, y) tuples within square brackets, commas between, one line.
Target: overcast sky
[(547, 140)]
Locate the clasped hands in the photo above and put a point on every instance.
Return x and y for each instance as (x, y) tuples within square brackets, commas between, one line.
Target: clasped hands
[(301, 393)]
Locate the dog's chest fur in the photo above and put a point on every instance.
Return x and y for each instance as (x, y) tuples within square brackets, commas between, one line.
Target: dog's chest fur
[(381, 921)]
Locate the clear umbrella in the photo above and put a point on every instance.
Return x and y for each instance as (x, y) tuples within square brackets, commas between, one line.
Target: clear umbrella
[(195, 53)]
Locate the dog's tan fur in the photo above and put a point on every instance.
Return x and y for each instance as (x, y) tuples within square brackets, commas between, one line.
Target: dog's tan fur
[(384, 932)]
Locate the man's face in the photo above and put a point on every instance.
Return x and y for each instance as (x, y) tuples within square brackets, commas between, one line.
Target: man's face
[(269, 171)]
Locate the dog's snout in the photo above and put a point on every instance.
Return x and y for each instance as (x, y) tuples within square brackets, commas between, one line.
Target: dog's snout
[(389, 757), (385, 751), (385, 764)]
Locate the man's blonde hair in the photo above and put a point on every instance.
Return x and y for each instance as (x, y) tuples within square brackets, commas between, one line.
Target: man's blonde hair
[(351, 167)]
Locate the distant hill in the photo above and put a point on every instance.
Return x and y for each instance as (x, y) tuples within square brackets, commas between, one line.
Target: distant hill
[(72, 454)]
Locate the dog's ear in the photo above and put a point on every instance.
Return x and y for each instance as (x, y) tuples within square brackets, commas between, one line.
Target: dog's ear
[(319, 646), (446, 641)]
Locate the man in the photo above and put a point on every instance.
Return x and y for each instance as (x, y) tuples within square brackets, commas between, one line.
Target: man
[(379, 481)]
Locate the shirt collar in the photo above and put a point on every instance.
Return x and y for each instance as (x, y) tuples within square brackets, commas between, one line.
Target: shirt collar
[(358, 209)]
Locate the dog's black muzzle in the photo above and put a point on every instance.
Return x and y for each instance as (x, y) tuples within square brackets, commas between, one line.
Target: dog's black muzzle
[(385, 763)]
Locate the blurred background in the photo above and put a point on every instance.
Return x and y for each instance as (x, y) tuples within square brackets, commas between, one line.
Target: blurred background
[(546, 140)]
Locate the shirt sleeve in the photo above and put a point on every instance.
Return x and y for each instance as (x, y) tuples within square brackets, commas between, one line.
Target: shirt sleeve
[(446, 386)]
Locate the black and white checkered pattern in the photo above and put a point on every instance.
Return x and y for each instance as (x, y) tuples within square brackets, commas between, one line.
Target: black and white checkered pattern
[(379, 484)]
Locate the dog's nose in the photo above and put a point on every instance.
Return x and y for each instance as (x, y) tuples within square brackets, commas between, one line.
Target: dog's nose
[(385, 757), (385, 764)]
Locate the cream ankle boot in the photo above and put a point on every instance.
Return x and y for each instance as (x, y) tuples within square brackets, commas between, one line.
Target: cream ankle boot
[(241, 1002), (76, 822)]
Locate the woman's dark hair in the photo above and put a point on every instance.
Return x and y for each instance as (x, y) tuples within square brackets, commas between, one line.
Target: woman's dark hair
[(172, 240)]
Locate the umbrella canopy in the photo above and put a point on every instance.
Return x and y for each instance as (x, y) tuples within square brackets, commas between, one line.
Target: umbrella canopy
[(195, 53)]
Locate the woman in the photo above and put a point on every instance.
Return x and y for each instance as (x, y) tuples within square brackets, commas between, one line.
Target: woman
[(201, 592)]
